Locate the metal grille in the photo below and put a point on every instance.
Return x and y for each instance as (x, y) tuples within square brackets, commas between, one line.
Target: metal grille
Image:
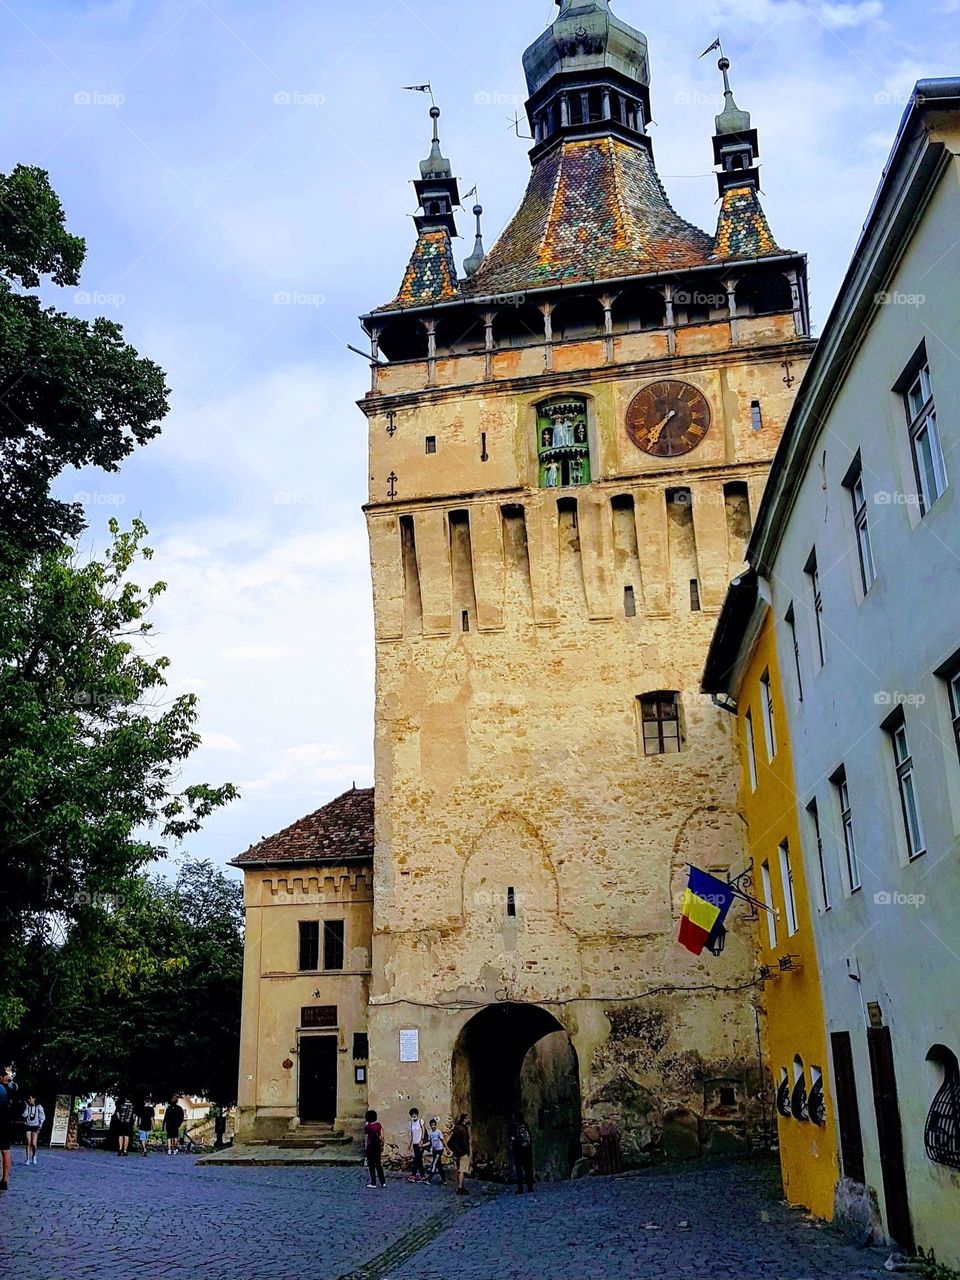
[(942, 1134)]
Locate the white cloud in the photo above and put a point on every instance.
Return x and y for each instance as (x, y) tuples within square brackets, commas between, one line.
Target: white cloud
[(255, 653), (219, 742), (836, 17)]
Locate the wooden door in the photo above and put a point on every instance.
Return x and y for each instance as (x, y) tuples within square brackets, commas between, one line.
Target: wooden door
[(890, 1136), (317, 1103)]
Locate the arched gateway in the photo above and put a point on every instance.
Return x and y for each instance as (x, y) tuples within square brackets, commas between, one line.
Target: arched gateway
[(518, 1055)]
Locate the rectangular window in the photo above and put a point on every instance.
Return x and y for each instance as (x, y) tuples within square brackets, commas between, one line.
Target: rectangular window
[(767, 884), (766, 695), (791, 621), (813, 573), (309, 944), (511, 901), (660, 723), (333, 944), (839, 781), (751, 749), (629, 602), (909, 808), (854, 482), (756, 415), (361, 1046), (928, 464), (953, 688), (818, 841), (790, 901), (694, 595), (431, 444)]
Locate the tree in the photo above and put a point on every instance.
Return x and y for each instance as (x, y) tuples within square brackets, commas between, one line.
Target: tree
[(89, 752), (159, 1012), (72, 392)]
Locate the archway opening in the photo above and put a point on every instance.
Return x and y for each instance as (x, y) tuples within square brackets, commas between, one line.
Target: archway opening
[(518, 1056)]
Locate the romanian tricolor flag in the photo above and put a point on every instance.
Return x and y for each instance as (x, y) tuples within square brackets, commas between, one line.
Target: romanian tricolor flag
[(705, 905)]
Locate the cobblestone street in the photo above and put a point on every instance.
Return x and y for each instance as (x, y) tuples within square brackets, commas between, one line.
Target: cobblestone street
[(86, 1214)]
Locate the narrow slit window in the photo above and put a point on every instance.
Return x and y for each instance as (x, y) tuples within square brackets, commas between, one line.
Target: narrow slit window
[(813, 573), (756, 415), (465, 620), (629, 602), (694, 595), (511, 901)]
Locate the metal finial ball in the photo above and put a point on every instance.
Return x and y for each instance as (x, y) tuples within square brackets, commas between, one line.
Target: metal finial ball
[(724, 64), (477, 209), (434, 113)]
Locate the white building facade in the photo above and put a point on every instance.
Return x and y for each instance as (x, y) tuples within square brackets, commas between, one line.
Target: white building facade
[(858, 541)]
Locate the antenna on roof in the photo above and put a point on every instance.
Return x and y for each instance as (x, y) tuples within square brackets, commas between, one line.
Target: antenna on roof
[(515, 122)]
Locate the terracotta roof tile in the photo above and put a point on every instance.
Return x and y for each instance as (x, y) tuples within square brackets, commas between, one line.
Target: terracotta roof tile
[(594, 208), (431, 274), (742, 228), (341, 830)]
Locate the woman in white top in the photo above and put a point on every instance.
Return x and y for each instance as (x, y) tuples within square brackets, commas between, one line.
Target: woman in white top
[(33, 1118)]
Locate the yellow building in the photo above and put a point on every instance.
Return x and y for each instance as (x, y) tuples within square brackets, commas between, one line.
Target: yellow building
[(308, 897), (566, 445), (743, 673)]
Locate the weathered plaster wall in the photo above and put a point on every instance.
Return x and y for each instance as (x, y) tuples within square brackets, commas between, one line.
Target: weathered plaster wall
[(509, 754)]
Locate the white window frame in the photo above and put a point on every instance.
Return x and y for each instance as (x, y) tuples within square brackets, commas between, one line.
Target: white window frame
[(766, 702), (953, 693), (751, 748), (767, 884), (854, 878), (790, 618), (868, 566), (789, 895), (906, 785), (928, 465), (813, 813)]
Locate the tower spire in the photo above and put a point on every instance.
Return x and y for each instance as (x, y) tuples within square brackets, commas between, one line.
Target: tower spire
[(473, 264), (735, 144), (437, 189)]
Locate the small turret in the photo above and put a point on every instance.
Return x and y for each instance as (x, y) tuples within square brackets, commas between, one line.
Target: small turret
[(735, 144), (437, 189), (473, 264)]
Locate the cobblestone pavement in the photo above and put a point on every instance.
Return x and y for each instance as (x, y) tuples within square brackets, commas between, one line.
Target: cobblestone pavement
[(88, 1214)]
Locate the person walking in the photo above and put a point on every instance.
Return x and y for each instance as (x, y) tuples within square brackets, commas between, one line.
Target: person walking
[(459, 1146), (172, 1120), (521, 1148), (418, 1138), (145, 1118), (33, 1118), (125, 1116), (373, 1149), (437, 1146), (8, 1102)]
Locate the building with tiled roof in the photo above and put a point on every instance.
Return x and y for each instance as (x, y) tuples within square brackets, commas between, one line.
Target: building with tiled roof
[(340, 832), (308, 897)]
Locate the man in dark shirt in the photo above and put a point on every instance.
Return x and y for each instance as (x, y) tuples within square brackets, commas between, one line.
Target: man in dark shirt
[(145, 1119), (173, 1118)]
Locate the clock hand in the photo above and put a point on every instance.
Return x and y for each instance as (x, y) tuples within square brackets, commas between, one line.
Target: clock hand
[(657, 431)]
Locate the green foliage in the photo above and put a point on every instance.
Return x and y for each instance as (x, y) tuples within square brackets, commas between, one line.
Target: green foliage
[(89, 751), (72, 392), (144, 993)]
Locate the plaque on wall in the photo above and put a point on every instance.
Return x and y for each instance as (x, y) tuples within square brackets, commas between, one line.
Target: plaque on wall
[(410, 1046), (318, 1015)]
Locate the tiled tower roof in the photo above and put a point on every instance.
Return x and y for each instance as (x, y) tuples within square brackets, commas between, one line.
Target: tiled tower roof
[(594, 209), (431, 274), (742, 227), (342, 831)]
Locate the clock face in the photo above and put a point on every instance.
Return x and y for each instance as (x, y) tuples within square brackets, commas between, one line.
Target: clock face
[(668, 419)]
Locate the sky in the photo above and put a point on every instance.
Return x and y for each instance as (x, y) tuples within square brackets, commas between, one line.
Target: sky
[(241, 173)]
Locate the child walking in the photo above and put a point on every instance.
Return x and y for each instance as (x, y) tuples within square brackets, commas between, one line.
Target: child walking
[(435, 1138), (418, 1137), (33, 1118), (373, 1149)]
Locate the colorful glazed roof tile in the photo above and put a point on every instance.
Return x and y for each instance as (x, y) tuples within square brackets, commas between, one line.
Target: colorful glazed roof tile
[(594, 209), (431, 275), (342, 831), (742, 228)]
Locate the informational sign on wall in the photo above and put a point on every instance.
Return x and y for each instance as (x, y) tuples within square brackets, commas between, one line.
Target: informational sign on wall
[(410, 1046), (61, 1120)]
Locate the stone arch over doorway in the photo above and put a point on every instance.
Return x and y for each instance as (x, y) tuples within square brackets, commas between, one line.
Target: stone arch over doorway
[(509, 1056)]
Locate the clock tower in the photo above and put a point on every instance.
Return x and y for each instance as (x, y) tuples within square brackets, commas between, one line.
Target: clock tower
[(567, 440)]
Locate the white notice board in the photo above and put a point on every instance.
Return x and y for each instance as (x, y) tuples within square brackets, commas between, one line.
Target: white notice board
[(410, 1045)]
